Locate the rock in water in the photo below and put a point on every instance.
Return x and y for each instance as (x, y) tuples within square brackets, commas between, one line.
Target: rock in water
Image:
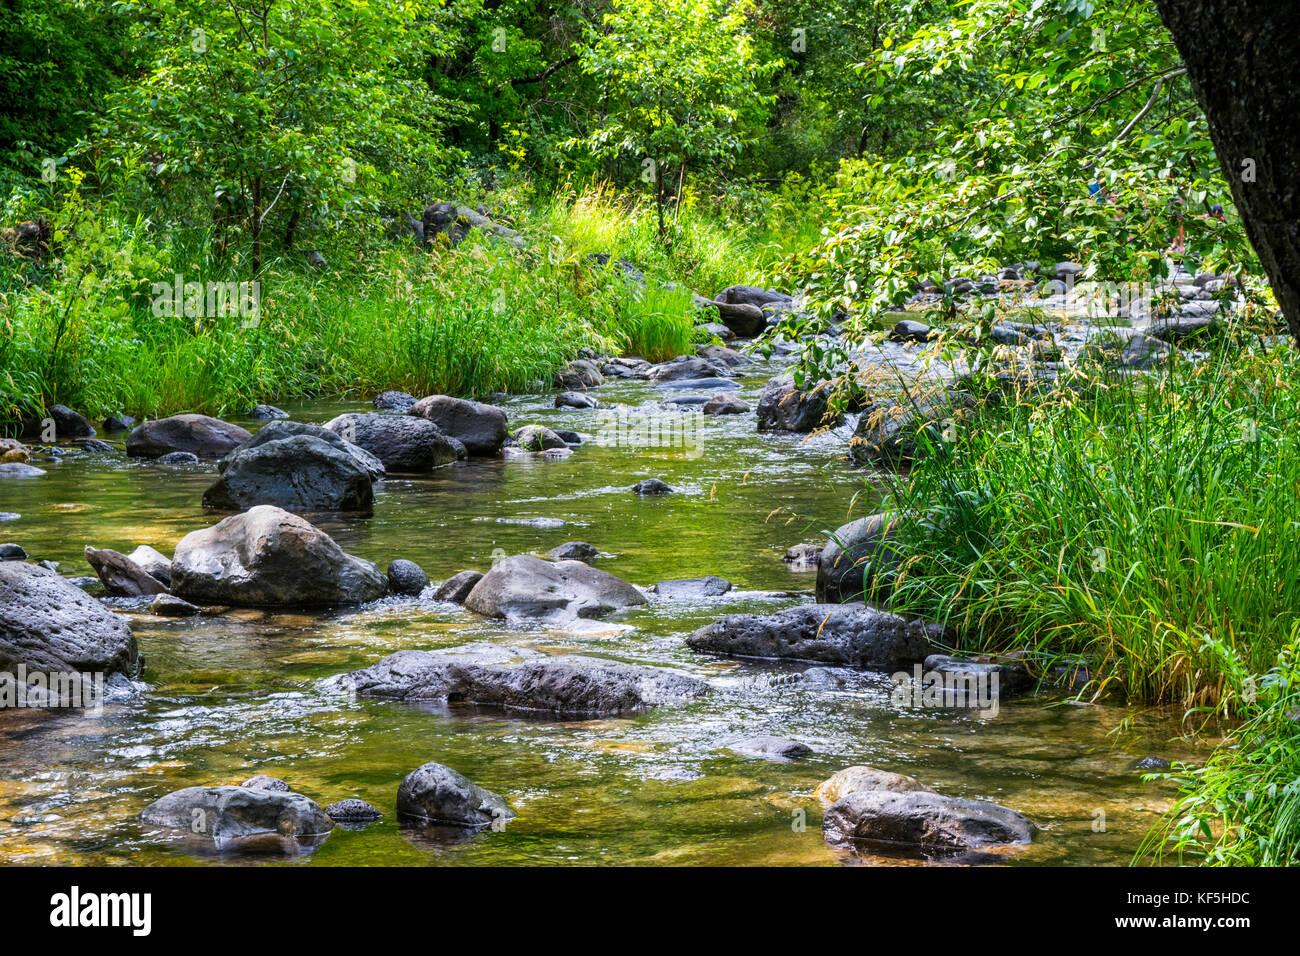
[(855, 553), (518, 679), (893, 432), (481, 428), (269, 557), (771, 748), (279, 431), (783, 406), (687, 589), (154, 562), (436, 794), (924, 819), (122, 577), (573, 551), (525, 588), (264, 781), (243, 819), (858, 636), (402, 442), (352, 811), (854, 779), (406, 577), (197, 434), (457, 587), (298, 473), (651, 487), (49, 624)]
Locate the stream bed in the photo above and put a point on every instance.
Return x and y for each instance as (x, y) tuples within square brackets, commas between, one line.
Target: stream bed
[(238, 694)]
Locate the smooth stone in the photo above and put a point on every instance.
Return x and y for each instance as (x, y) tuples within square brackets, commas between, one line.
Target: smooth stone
[(282, 430), (651, 487), (457, 587), (154, 562), (771, 748), (404, 443), (200, 435), (725, 405), (266, 413), (178, 458), (407, 578), (680, 589), (682, 368), (802, 556), (436, 794), (852, 557), (924, 819), (17, 469), (122, 577), (573, 551), (866, 779), (480, 427), (575, 400), (12, 552), (299, 473), (538, 438), (168, 605), (527, 588), (239, 818)]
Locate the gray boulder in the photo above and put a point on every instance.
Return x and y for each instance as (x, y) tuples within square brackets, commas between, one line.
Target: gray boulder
[(404, 443), (457, 587), (243, 819), (436, 794), (154, 562), (122, 577), (771, 748), (394, 401), (50, 625), (353, 811), (527, 588), (579, 374), (924, 819), (538, 438), (725, 405), (852, 635), (481, 428), (70, 424), (651, 487), (852, 557), (281, 430), (406, 577), (298, 473), (889, 431), (573, 551), (269, 557), (684, 589), (575, 400), (782, 406), (684, 368), (199, 435)]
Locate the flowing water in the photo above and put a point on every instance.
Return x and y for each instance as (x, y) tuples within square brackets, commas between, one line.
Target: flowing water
[(238, 694)]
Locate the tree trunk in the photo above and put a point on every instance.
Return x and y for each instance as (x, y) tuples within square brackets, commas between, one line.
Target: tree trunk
[(1241, 59)]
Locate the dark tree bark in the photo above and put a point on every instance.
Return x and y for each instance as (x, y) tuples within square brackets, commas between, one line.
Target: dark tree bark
[(1241, 58)]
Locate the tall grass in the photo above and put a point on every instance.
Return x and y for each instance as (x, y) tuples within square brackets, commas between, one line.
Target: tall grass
[(1144, 525)]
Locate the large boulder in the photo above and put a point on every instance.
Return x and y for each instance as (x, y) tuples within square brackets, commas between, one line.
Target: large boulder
[(852, 557), (783, 406), (683, 368), (855, 779), (526, 588), (280, 430), (243, 818), (298, 473), (579, 374), (481, 428), (853, 635), (522, 680), (889, 432), (923, 819), (197, 434), (742, 319), (122, 577), (767, 299), (267, 557), (402, 442), (436, 794), (50, 625)]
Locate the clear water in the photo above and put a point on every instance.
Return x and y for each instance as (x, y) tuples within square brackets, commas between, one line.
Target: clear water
[(239, 694)]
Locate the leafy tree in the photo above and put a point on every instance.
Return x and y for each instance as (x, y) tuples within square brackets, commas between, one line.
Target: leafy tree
[(681, 83)]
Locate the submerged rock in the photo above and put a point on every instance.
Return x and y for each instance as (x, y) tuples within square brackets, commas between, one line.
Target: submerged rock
[(297, 473), (525, 588), (167, 605), (725, 405), (857, 636), (200, 435), (923, 819), (436, 794), (269, 557), (573, 551), (264, 781), (771, 748), (18, 469), (521, 680), (651, 487), (243, 819), (50, 625), (575, 400), (481, 428)]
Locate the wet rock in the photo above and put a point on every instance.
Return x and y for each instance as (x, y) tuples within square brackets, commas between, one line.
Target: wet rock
[(264, 781), (802, 556), (118, 423), (528, 588), (784, 407), (299, 473), (49, 624), (889, 432), (685, 589), (281, 431), (435, 793), (178, 458), (966, 676), (95, 446), (266, 413), (923, 819), (353, 811), (1152, 764), (651, 487), (12, 552), (718, 330), (684, 367), (769, 299), (725, 405), (569, 437), (167, 605), (155, 563), (910, 330), (457, 587), (698, 383), (742, 318), (771, 748), (404, 443), (239, 818), (519, 679), (16, 469), (396, 402), (538, 438), (865, 780), (70, 424), (1182, 327), (1065, 271), (12, 451), (406, 577), (852, 557), (719, 355), (480, 427), (269, 557), (579, 374), (575, 400), (200, 435), (122, 577), (573, 551), (856, 636)]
